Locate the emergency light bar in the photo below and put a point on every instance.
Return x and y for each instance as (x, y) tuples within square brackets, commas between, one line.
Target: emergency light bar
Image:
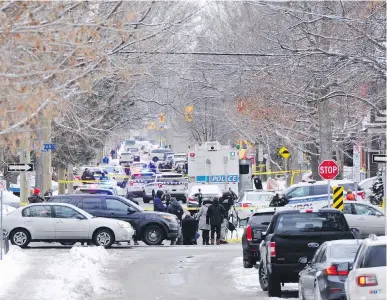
[(308, 210)]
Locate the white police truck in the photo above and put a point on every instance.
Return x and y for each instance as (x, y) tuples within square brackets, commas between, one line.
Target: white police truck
[(212, 163), (172, 183)]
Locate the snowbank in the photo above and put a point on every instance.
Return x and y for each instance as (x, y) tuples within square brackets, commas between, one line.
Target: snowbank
[(78, 274), (13, 265)]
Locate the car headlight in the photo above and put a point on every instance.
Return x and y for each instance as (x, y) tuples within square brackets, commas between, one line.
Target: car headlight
[(124, 224), (170, 218)]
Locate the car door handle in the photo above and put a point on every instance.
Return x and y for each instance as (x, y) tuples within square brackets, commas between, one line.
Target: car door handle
[(29, 221), (361, 218), (59, 221)]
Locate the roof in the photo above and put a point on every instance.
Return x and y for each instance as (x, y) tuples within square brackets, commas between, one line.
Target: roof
[(265, 210), (323, 182), (290, 211), (169, 174), (374, 240), (344, 242), (260, 192)]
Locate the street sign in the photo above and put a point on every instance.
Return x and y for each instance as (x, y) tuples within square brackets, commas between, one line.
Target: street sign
[(284, 152), (49, 147), (21, 168), (338, 198), (3, 185), (379, 158), (328, 169), (356, 164)]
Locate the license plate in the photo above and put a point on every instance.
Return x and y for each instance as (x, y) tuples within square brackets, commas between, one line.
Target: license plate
[(173, 190)]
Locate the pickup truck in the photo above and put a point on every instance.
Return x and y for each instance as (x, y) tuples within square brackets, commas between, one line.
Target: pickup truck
[(292, 235)]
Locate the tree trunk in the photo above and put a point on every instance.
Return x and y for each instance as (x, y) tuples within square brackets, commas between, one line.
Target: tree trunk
[(61, 177), (70, 178)]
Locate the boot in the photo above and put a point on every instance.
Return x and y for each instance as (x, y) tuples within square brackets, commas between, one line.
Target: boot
[(204, 241), (218, 242), (223, 242), (212, 241)]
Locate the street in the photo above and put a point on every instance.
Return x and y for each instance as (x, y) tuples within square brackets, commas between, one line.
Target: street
[(141, 273)]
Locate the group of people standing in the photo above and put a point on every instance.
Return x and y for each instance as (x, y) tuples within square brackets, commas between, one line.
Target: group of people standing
[(211, 218)]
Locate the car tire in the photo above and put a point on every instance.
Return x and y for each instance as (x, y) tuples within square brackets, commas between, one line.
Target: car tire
[(247, 262), (67, 243), (153, 235), (273, 286), (20, 237), (262, 276), (103, 237)]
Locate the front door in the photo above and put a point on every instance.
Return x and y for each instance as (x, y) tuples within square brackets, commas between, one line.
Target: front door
[(38, 220), (70, 224), (120, 210)]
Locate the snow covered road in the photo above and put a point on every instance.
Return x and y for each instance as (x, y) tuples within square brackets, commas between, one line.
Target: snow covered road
[(140, 273)]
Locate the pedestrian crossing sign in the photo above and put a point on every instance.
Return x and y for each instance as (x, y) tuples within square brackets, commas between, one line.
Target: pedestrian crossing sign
[(284, 152)]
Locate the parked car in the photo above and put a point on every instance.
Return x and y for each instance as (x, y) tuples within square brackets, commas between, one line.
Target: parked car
[(151, 227), (158, 154), (172, 183), (126, 158), (115, 172), (258, 221), (64, 223), (367, 276), (96, 190), (135, 150), (137, 182), (368, 218), (323, 277), (293, 234), (208, 191), (249, 201)]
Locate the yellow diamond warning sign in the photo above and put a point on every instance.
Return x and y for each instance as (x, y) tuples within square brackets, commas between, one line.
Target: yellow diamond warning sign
[(284, 152)]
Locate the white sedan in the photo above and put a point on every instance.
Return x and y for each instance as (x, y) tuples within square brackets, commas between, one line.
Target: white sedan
[(64, 223)]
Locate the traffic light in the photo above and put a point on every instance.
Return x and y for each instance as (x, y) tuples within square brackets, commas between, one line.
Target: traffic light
[(188, 113), (162, 118)]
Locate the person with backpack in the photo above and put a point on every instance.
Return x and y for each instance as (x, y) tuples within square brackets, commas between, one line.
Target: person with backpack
[(176, 209), (214, 217), (158, 203), (203, 226), (189, 228)]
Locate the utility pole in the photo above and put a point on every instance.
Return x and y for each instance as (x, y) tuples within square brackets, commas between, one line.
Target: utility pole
[(25, 158), (46, 155)]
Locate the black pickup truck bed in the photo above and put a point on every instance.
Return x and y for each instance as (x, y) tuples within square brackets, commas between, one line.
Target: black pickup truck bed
[(293, 234)]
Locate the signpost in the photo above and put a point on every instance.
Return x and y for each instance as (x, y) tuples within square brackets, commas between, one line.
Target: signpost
[(3, 187), (21, 168), (356, 164), (284, 152), (328, 170), (382, 159), (379, 158), (48, 147)]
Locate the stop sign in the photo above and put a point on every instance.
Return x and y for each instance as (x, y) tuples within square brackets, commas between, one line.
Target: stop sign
[(328, 169)]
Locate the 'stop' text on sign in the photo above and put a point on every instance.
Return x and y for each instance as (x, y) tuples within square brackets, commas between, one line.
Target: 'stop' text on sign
[(328, 169)]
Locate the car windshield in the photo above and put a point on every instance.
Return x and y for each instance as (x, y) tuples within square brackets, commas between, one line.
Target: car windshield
[(311, 222), (258, 197), (345, 252), (375, 257), (109, 169), (139, 165), (262, 219), (180, 156)]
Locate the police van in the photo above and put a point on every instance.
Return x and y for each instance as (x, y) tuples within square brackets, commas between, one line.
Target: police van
[(212, 163), (137, 182), (172, 183), (135, 150)]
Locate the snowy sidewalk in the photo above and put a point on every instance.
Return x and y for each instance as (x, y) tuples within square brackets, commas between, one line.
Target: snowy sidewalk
[(59, 273)]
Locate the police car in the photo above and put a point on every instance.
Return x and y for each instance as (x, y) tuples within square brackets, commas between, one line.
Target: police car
[(137, 182), (172, 183), (314, 194)]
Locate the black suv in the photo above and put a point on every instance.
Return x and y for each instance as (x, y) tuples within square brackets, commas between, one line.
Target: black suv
[(258, 222), (293, 235), (151, 227)]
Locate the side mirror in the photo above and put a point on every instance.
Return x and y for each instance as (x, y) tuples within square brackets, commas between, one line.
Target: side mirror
[(303, 260), (378, 214), (131, 210), (355, 231), (79, 217)]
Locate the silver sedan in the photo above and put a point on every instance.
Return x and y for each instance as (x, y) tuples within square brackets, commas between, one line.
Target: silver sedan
[(64, 223)]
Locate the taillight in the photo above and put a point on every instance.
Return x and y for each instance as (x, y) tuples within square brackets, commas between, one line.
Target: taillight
[(272, 249), (367, 280), (249, 233), (191, 199), (246, 204), (332, 270), (131, 183)]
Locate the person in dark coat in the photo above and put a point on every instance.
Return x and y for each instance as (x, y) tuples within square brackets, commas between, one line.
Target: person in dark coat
[(189, 228), (258, 183), (175, 209), (87, 175), (158, 203), (35, 198), (215, 216)]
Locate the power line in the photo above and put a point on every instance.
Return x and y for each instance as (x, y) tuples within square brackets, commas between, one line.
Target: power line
[(207, 53)]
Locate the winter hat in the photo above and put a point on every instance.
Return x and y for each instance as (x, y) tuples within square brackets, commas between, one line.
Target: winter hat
[(159, 194), (36, 191)]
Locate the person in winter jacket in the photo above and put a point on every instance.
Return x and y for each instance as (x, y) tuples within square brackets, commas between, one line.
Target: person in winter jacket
[(203, 226), (214, 217), (175, 209), (258, 183), (189, 227), (87, 175), (105, 160), (350, 195), (167, 198), (158, 203), (35, 198)]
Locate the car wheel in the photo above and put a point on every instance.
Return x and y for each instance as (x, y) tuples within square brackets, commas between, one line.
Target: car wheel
[(247, 262), (153, 235), (67, 243), (20, 237), (273, 286), (103, 237), (262, 276)]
